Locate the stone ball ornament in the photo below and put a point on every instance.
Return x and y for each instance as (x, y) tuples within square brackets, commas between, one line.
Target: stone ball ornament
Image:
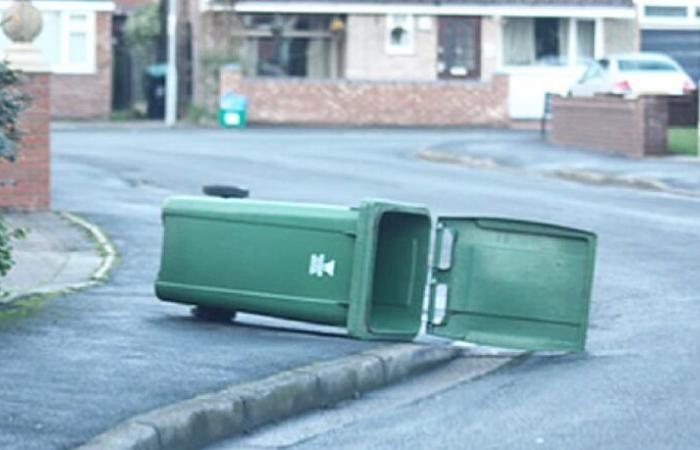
[(21, 22)]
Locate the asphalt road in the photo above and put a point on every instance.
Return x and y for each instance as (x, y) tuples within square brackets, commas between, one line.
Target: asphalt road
[(635, 387), (86, 361)]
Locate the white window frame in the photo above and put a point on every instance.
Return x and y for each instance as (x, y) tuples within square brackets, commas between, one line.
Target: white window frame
[(689, 21), (571, 51), (409, 23), (65, 11), (90, 30)]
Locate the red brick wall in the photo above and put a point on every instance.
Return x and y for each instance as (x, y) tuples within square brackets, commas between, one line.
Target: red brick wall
[(635, 127), (344, 102), (24, 184), (87, 96)]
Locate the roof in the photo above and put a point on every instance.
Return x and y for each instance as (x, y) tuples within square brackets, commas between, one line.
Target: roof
[(620, 9), (520, 3)]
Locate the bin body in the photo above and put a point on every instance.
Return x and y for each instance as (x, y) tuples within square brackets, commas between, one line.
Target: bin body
[(233, 110), (363, 268), (154, 82)]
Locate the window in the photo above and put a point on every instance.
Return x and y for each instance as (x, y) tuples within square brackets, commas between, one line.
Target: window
[(540, 41), (67, 41), (636, 65), (665, 11), (288, 45), (77, 31), (545, 41), (458, 47), (399, 34)]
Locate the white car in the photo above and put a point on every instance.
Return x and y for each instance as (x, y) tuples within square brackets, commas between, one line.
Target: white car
[(633, 74)]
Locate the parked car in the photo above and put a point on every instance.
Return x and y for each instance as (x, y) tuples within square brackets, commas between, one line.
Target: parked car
[(633, 74)]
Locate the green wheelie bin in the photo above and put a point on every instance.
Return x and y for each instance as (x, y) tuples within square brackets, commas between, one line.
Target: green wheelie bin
[(492, 281)]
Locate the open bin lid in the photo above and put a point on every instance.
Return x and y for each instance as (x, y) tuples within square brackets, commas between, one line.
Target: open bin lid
[(511, 283)]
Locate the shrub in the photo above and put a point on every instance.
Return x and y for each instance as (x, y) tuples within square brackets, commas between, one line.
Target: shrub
[(12, 103)]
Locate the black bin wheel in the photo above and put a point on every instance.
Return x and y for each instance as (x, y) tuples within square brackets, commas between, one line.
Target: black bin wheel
[(213, 314), (223, 191)]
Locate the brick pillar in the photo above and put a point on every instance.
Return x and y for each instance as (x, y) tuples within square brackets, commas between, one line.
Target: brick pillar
[(231, 79), (24, 183)]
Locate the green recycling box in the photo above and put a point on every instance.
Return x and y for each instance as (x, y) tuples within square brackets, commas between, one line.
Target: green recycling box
[(493, 281), (233, 110)]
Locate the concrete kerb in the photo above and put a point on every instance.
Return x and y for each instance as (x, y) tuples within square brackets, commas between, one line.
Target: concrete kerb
[(197, 422), (576, 175), (104, 248)]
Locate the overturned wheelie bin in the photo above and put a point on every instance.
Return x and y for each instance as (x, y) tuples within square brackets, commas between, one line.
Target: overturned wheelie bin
[(496, 282)]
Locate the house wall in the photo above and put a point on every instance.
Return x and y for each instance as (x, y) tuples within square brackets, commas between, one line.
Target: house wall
[(490, 46), (621, 36), (367, 59), (87, 96), (348, 102)]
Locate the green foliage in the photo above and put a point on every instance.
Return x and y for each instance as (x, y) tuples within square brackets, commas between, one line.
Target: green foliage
[(199, 115), (6, 236), (143, 27), (12, 103)]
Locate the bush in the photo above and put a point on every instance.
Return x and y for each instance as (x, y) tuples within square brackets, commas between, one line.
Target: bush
[(143, 27), (12, 103), (6, 236)]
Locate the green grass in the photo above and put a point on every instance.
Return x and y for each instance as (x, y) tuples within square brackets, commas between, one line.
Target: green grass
[(683, 141), (22, 307)]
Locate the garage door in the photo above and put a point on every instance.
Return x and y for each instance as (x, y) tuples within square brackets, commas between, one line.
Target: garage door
[(682, 45)]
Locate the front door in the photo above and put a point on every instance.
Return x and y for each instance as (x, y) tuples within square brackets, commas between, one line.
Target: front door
[(458, 47)]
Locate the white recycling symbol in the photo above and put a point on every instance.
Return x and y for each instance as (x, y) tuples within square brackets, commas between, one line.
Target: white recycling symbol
[(318, 266)]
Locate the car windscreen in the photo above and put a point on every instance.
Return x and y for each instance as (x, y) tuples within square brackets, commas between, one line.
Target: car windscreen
[(637, 65)]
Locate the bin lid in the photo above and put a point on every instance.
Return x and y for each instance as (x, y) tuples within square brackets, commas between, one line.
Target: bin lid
[(511, 283), (157, 70), (233, 101)]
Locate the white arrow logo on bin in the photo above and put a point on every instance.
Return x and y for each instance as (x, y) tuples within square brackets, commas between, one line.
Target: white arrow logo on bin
[(318, 266)]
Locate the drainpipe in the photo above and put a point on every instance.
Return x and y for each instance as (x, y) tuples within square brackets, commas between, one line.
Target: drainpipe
[(171, 75)]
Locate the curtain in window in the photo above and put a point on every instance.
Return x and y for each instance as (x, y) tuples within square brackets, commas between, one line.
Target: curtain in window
[(586, 40), (563, 42), (518, 41)]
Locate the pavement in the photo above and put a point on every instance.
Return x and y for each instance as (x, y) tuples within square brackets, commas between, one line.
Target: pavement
[(157, 365), (60, 252), (530, 154)]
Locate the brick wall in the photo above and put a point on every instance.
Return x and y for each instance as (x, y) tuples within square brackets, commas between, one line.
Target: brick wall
[(24, 184), (345, 102), (366, 57), (683, 110), (635, 127), (87, 96)]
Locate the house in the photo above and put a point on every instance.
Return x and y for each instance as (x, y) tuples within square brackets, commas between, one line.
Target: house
[(76, 42), (672, 27), (443, 49)]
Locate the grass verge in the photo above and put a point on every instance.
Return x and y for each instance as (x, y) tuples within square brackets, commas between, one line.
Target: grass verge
[(683, 141)]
